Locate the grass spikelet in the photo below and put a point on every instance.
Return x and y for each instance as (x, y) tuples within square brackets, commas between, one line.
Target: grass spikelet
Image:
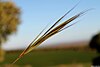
[(50, 32)]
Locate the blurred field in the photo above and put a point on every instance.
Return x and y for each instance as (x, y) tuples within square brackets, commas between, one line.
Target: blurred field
[(51, 58)]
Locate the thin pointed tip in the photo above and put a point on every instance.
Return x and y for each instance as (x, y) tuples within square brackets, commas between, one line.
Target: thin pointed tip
[(15, 61), (18, 58)]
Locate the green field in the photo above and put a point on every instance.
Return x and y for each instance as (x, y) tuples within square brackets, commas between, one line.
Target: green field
[(51, 58)]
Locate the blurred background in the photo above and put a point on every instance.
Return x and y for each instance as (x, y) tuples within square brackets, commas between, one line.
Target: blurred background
[(68, 48)]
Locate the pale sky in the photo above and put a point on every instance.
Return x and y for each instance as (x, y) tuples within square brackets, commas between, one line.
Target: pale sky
[(36, 14)]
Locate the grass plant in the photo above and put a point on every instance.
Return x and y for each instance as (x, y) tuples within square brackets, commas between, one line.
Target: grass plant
[(54, 29)]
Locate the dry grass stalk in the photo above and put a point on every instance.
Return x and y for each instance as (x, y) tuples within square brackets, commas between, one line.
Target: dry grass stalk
[(50, 32)]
